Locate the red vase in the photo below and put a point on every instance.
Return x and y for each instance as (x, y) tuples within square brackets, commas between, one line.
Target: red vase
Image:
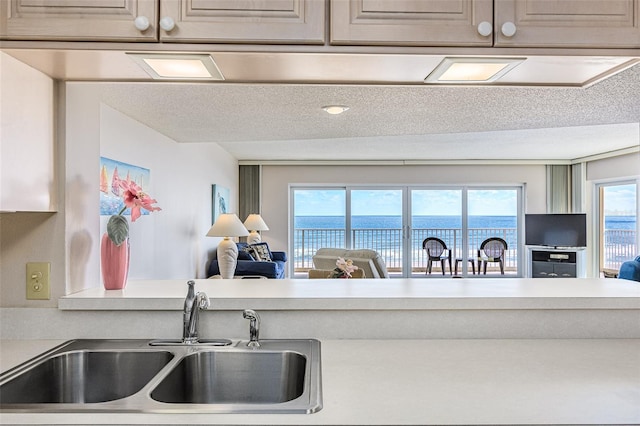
[(115, 263)]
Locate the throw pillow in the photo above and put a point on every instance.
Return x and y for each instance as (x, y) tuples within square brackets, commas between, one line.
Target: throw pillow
[(246, 253), (260, 251)]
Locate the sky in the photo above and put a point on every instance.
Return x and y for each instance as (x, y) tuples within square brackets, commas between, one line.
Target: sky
[(620, 200), (389, 202)]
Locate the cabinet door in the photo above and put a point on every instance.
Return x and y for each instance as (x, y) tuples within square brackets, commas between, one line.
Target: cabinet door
[(569, 23), (245, 21), (410, 22), (542, 270), (86, 20), (27, 155), (565, 270)]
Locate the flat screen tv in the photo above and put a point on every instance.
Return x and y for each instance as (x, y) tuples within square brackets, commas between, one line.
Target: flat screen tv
[(556, 230)]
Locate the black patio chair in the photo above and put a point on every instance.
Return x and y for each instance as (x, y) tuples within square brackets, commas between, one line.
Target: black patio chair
[(437, 251), (491, 251)]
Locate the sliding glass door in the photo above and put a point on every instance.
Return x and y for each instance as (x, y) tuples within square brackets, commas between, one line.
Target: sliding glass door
[(418, 231), (463, 219), (493, 221), (436, 221), (319, 220), (356, 218), (377, 223)]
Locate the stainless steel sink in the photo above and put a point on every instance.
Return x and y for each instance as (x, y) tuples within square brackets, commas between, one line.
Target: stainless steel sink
[(281, 376), (84, 377), (234, 377)]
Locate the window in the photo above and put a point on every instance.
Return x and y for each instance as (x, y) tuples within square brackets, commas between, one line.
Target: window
[(618, 225), (435, 213), (377, 224), (395, 221), (319, 220), (493, 213)]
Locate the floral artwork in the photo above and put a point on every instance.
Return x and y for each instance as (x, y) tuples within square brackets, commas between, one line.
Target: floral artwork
[(112, 172), (219, 201)]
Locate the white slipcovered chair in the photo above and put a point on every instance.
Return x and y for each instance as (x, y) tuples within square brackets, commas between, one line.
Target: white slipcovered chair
[(368, 260)]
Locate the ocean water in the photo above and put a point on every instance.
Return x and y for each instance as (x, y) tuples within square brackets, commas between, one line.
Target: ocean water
[(480, 227), (620, 222), (389, 242), (395, 222)]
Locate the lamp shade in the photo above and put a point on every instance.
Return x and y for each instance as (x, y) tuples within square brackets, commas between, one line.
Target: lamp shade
[(255, 222), (228, 225)]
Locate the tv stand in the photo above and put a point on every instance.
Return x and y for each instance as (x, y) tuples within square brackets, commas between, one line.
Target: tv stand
[(550, 262)]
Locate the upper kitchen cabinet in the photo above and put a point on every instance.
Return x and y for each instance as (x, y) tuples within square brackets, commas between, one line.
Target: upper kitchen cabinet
[(81, 20), (567, 23), (606, 24), (412, 22), (187, 21), (243, 21), (27, 142), (488, 23)]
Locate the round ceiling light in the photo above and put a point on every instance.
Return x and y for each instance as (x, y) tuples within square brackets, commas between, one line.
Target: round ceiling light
[(335, 109)]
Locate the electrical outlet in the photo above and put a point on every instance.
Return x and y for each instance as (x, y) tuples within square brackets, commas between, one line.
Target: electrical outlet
[(38, 281)]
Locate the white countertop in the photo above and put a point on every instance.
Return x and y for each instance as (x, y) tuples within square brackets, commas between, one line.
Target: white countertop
[(408, 381), (562, 381), (368, 294)]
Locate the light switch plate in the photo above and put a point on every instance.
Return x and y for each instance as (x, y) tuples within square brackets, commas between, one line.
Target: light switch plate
[(38, 287)]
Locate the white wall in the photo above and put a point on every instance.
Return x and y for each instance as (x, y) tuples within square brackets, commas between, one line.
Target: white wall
[(181, 176), (167, 244), (621, 167), (28, 165), (277, 179), (170, 243)]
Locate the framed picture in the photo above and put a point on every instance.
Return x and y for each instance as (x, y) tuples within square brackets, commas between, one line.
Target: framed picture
[(219, 201), (111, 173)]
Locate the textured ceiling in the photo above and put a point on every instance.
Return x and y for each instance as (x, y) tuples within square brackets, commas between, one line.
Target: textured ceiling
[(286, 122)]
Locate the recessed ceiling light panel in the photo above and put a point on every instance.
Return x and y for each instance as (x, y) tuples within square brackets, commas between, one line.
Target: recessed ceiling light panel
[(471, 70), (178, 66)]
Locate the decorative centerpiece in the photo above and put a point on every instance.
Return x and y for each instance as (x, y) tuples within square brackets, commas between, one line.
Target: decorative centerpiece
[(344, 268), (114, 247)]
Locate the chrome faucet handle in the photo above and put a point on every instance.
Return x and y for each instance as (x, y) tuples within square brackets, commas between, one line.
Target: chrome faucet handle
[(254, 327), (203, 300)]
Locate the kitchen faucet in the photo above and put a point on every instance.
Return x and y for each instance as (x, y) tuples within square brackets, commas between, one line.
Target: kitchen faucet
[(192, 305), (254, 327)]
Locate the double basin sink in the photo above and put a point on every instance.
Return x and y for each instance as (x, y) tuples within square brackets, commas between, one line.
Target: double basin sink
[(281, 376)]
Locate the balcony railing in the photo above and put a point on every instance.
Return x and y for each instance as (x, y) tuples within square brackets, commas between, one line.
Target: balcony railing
[(388, 242), (619, 246)]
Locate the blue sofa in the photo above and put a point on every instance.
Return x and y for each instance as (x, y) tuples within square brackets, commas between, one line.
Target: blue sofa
[(248, 266), (630, 270)]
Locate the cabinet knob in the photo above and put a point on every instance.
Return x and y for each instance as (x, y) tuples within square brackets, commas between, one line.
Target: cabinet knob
[(142, 23), (485, 28), (167, 23), (508, 29)]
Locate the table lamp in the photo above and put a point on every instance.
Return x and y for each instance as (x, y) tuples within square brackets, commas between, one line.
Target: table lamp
[(227, 225), (255, 223)]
